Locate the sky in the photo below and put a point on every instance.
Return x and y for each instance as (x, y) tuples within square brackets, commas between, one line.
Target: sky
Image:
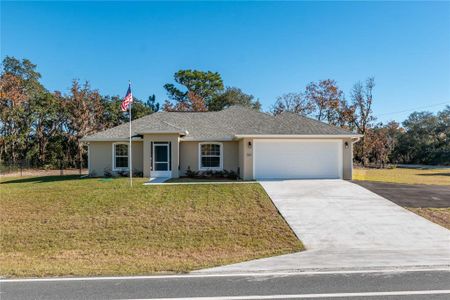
[(265, 48)]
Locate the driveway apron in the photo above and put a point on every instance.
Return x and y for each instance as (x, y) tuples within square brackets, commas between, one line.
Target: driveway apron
[(345, 226)]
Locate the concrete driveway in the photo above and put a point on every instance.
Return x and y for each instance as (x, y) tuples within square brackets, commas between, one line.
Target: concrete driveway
[(344, 225)]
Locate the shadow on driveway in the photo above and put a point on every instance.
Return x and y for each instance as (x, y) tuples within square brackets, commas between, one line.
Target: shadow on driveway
[(410, 195)]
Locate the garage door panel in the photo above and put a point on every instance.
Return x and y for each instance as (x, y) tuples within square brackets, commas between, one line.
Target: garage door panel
[(297, 159)]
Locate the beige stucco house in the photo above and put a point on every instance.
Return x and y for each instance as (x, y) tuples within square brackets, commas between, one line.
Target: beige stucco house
[(256, 145)]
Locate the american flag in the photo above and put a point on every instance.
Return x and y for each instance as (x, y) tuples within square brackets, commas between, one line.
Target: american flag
[(127, 100)]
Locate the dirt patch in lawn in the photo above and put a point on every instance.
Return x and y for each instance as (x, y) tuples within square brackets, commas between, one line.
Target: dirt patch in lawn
[(439, 216), (86, 227)]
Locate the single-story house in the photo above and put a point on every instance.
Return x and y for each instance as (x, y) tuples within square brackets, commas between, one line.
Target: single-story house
[(254, 144)]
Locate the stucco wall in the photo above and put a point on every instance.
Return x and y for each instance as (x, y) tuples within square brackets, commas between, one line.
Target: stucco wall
[(189, 152), (173, 138), (246, 155), (101, 154), (237, 156), (347, 162)]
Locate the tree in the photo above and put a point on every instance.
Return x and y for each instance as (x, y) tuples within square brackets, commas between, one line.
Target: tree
[(442, 155), (382, 139), (393, 131), (19, 84), (362, 99), (325, 97), (426, 138), (139, 109), (48, 115), (345, 115), (292, 102), (152, 104), (200, 88), (44, 128), (193, 102), (233, 96), (84, 107), (113, 115)]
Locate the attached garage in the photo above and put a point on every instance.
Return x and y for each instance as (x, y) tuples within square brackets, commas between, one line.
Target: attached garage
[(297, 158)]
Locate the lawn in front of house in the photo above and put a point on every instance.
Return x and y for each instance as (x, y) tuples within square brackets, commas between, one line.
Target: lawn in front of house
[(62, 225), (404, 175)]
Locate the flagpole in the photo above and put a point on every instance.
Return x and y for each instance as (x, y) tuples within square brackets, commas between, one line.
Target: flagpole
[(130, 169)]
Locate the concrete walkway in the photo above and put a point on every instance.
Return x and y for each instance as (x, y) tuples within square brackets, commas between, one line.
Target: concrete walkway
[(345, 226), (156, 180)]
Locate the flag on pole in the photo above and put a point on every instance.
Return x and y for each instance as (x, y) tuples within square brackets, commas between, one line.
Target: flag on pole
[(127, 100), (126, 103)]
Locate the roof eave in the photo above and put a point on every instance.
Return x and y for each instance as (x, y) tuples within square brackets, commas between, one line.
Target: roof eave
[(220, 139), (323, 136), (184, 132), (87, 139)]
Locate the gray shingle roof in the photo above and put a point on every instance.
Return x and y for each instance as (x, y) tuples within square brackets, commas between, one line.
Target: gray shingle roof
[(221, 125)]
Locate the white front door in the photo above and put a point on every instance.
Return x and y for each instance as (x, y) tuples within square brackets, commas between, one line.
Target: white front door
[(161, 162)]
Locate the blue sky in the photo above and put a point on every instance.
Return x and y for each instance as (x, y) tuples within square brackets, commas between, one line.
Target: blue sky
[(265, 48)]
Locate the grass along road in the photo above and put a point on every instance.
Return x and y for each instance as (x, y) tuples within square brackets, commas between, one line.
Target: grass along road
[(62, 225), (403, 175)]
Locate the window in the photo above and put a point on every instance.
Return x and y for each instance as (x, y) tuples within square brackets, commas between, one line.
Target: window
[(210, 156), (120, 156)]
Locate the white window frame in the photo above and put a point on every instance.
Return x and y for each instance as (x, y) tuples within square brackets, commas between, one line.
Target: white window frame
[(220, 168), (114, 157)]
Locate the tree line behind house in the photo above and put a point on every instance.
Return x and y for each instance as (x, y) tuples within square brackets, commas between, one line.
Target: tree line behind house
[(44, 128)]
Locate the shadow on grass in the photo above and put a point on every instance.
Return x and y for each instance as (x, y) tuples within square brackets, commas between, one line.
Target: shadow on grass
[(41, 179), (434, 174)]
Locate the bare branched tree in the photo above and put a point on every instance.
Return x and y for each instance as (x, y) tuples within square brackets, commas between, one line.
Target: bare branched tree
[(292, 102), (326, 97), (362, 99)]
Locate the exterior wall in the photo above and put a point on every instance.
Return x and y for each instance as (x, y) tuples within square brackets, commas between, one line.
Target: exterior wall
[(101, 156), (347, 159), (237, 155), (246, 158), (173, 138), (241, 158), (189, 156)]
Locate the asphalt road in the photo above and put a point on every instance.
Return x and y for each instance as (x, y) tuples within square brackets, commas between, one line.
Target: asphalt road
[(410, 195), (365, 285)]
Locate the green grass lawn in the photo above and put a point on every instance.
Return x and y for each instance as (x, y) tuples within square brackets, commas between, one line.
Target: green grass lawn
[(403, 175), (62, 225)]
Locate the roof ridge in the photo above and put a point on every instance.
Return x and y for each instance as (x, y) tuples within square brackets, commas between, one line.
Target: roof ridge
[(172, 125), (249, 109), (317, 121)]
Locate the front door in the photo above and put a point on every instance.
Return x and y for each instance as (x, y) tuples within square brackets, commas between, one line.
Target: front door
[(161, 164)]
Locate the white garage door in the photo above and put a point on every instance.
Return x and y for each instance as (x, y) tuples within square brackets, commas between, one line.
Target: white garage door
[(297, 159)]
